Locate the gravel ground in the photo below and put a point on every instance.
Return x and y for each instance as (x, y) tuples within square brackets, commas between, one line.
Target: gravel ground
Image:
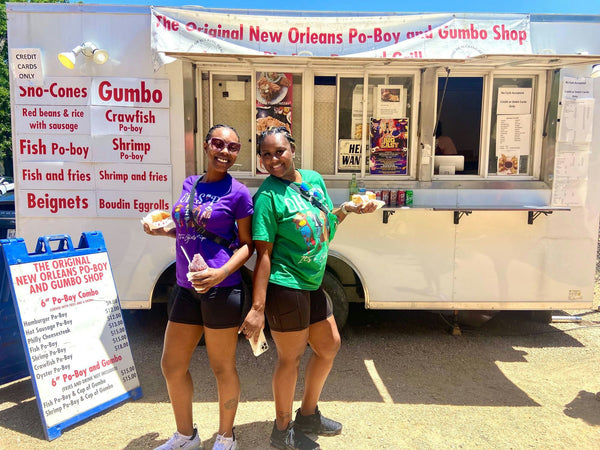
[(400, 381)]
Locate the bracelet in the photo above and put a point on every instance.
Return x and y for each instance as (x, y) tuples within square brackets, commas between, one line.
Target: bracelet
[(344, 210)]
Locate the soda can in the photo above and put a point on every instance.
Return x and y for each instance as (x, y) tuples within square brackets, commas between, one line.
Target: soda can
[(409, 198), (393, 198), (401, 198), (385, 197), (377, 195)]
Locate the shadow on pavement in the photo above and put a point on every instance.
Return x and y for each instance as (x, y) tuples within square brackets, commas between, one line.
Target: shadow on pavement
[(585, 406), (412, 353)]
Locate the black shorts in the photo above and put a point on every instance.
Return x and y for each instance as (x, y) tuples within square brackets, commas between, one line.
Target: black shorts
[(290, 309), (220, 307)]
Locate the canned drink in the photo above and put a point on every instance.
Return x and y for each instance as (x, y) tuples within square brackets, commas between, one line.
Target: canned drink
[(385, 197), (401, 198), (377, 195), (393, 198), (409, 198)]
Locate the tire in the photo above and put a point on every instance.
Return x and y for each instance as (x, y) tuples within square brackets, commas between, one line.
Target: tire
[(334, 291)]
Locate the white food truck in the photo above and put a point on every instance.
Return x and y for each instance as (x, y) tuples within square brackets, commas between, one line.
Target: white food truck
[(110, 105)]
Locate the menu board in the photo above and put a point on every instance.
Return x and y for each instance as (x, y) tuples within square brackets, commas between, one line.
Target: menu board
[(72, 331), (573, 146), (513, 128), (78, 140)]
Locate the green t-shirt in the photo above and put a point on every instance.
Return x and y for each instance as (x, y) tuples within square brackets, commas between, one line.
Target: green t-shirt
[(299, 230)]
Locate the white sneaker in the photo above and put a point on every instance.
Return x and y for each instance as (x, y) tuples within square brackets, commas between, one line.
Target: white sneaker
[(225, 443), (179, 441)]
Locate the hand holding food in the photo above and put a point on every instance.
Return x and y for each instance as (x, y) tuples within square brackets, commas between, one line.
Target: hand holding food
[(364, 203)]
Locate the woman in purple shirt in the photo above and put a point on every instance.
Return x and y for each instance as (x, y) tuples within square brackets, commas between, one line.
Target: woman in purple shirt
[(212, 216)]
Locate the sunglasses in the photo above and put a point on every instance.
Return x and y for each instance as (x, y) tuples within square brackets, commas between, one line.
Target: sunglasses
[(220, 144)]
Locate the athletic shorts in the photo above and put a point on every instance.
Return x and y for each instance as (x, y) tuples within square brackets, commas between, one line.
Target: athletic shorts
[(290, 309), (220, 307)]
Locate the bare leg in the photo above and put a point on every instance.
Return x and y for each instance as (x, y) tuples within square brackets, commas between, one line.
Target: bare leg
[(325, 343), (290, 348), (221, 345), (180, 342)]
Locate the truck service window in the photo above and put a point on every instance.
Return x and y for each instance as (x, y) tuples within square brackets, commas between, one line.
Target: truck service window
[(324, 124), (459, 104), (388, 126), (231, 100), (350, 125)]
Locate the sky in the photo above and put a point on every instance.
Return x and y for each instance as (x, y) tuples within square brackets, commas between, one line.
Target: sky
[(482, 6)]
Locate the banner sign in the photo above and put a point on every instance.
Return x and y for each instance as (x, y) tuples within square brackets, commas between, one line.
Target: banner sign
[(429, 36), (71, 327)]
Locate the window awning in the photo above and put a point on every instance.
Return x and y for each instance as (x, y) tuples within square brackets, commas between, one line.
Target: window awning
[(496, 61)]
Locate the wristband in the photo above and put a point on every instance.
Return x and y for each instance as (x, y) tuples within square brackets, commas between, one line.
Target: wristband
[(344, 210)]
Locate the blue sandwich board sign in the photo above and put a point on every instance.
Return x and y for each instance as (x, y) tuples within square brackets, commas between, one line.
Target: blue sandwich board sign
[(73, 341)]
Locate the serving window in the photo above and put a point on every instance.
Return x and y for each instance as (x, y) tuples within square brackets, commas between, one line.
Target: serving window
[(376, 126), (458, 128), (477, 123), (486, 124)]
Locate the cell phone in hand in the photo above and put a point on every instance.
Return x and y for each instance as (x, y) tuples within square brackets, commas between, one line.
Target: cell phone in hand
[(260, 346)]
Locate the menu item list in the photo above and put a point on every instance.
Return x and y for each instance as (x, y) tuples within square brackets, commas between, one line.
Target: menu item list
[(74, 333)]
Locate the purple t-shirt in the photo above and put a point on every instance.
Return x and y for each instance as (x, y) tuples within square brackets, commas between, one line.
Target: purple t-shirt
[(217, 206)]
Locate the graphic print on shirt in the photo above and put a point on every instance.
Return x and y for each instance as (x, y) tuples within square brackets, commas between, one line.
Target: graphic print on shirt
[(179, 215), (312, 230), (305, 229), (201, 214)]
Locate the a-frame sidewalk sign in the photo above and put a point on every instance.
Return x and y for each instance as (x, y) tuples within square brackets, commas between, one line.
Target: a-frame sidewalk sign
[(61, 324)]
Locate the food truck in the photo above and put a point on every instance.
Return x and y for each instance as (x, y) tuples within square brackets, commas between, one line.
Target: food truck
[(110, 106)]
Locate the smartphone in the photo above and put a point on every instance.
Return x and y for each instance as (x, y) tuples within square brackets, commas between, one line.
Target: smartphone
[(260, 346)]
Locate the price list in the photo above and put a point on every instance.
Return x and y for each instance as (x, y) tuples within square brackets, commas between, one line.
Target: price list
[(75, 334)]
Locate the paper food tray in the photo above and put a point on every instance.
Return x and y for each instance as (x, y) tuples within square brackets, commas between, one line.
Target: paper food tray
[(167, 223)]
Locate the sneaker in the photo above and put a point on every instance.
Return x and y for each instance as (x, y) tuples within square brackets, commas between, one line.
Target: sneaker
[(179, 441), (291, 438), (225, 443), (317, 424)]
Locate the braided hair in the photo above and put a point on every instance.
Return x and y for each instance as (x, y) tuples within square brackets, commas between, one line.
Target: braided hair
[(272, 131)]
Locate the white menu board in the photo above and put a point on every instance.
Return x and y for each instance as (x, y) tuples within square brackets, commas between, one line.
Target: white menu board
[(77, 139), (74, 335)]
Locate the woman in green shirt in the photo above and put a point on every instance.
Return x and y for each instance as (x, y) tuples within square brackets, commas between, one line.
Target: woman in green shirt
[(293, 222)]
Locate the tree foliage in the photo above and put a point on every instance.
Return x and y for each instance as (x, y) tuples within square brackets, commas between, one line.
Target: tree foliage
[(5, 126)]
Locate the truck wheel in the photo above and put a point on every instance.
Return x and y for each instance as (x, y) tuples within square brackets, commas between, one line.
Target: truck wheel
[(335, 292)]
